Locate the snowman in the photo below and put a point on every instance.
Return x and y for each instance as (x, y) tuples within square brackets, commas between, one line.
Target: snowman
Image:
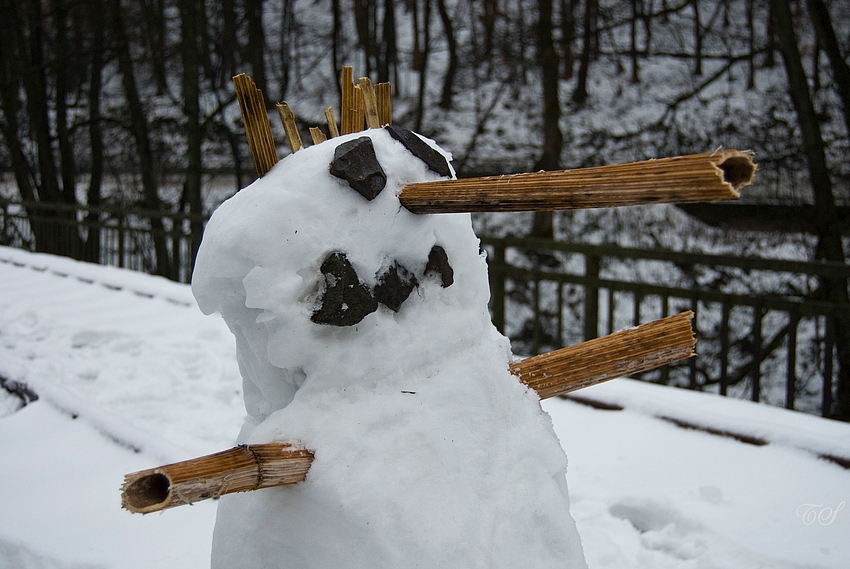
[(363, 334)]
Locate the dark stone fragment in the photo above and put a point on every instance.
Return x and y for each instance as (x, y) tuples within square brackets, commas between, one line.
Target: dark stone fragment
[(435, 161), (394, 286), (346, 300), (356, 163), (438, 265)]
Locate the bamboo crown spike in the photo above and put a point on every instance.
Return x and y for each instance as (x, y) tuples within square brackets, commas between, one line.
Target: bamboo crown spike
[(361, 101), (696, 177), (711, 176), (258, 130), (251, 467)]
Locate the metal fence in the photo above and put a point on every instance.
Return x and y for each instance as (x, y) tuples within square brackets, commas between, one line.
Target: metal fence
[(762, 333), (155, 242)]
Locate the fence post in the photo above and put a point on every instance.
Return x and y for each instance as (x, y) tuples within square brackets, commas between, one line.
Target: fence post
[(791, 360), (758, 313), (121, 241), (591, 296), (497, 285), (724, 347), (829, 343)]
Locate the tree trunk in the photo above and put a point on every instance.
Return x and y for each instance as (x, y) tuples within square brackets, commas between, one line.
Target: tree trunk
[(189, 20), (286, 31), (568, 32), (553, 140), (228, 43), (337, 48), (451, 70), (140, 131), (389, 49), (634, 48), (154, 15), (829, 42), (256, 48), (580, 93), (425, 53), (829, 245), (363, 18), (95, 11), (697, 39)]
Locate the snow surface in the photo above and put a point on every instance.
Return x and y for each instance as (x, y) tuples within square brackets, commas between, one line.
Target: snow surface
[(645, 493)]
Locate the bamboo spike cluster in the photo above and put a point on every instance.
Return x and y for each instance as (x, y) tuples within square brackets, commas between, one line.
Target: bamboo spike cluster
[(697, 177), (359, 102), (287, 118), (257, 127), (251, 467)]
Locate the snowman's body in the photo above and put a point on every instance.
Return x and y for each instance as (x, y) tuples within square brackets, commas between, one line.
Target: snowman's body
[(428, 453)]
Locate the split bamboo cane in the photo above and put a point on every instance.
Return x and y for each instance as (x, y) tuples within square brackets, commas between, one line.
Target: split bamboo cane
[(697, 177)]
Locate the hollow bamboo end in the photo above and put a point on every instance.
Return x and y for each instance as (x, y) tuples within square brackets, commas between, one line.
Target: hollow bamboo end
[(146, 492), (736, 169)]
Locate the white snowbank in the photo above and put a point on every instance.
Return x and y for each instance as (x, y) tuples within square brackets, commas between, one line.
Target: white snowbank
[(645, 493)]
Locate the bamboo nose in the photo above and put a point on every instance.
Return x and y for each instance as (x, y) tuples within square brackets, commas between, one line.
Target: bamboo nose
[(696, 177)]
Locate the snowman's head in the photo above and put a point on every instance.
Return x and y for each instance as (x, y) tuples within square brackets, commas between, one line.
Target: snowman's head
[(318, 262)]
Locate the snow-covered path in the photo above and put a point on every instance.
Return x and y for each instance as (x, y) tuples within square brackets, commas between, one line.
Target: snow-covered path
[(150, 379)]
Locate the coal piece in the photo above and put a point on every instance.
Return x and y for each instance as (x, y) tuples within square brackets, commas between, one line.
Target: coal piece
[(438, 265), (394, 286), (346, 300), (435, 161), (356, 163)]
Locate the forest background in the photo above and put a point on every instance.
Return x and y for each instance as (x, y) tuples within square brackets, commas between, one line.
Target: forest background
[(129, 104)]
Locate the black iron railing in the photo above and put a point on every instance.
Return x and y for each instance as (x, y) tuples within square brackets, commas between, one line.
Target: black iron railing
[(763, 331)]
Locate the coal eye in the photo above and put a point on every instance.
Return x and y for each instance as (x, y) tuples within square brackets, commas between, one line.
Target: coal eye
[(394, 286), (435, 161), (346, 300), (356, 163)]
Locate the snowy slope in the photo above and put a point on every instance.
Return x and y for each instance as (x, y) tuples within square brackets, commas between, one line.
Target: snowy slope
[(130, 375)]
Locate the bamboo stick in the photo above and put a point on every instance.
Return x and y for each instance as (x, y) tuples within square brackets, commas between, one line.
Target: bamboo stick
[(358, 113), (317, 135), (329, 116), (346, 121), (239, 469), (257, 127), (289, 127), (370, 103), (697, 177), (251, 467), (623, 353), (384, 94)]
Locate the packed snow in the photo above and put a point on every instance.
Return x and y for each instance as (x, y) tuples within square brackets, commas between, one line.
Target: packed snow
[(131, 374), (428, 452)]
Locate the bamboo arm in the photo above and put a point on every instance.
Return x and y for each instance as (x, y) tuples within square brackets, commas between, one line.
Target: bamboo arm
[(623, 353), (251, 467), (242, 468), (696, 177)]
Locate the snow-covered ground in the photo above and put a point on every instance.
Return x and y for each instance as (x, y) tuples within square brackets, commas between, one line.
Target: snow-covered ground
[(130, 375)]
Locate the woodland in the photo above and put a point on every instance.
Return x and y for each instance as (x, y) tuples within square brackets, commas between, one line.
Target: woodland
[(130, 105)]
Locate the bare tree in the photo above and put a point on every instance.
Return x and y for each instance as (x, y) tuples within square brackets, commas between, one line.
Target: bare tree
[(829, 246)]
